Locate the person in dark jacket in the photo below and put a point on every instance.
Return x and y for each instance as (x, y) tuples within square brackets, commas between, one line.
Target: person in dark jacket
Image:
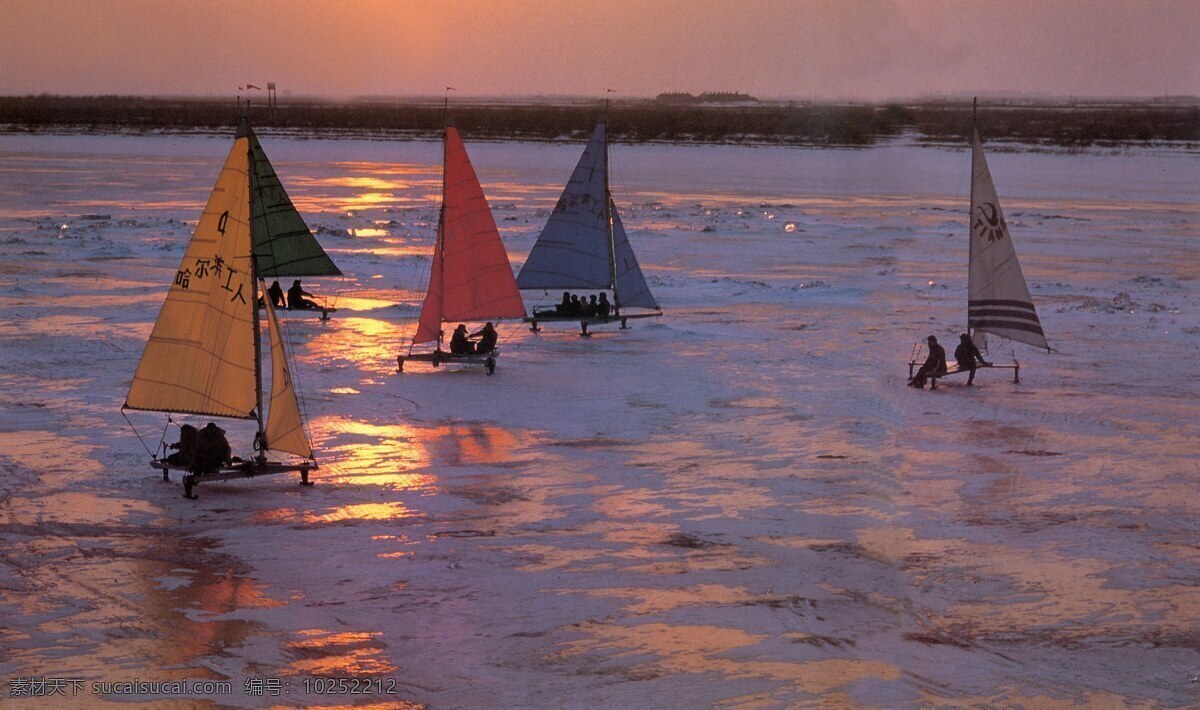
[(564, 308), (603, 307), (591, 308), (933, 365), (186, 446), (212, 450), (275, 293), (296, 300), (487, 339), (967, 354), (459, 342)]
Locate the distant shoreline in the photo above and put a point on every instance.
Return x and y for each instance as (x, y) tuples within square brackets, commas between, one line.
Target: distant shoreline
[(1033, 124)]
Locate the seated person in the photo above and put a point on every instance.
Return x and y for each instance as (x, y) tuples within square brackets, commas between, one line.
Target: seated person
[(212, 450), (564, 308), (966, 354), (603, 307), (934, 364), (296, 298), (487, 339), (459, 344), (186, 446), (275, 293), (576, 306), (557, 310), (591, 308)]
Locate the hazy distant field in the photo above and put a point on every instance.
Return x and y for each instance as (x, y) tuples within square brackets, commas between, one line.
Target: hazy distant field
[(1049, 123)]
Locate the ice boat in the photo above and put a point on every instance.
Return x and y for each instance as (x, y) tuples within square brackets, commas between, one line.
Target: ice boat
[(998, 300), (470, 279), (584, 247), (204, 356)]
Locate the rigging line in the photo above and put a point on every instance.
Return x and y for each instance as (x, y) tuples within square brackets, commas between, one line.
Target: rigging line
[(513, 331), (163, 439), (337, 293), (139, 436)]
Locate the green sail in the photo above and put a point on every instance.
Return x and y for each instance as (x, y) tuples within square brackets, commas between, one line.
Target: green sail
[(283, 244)]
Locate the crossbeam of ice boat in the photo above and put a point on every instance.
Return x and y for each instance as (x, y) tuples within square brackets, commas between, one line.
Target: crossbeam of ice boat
[(953, 369), (245, 469), (585, 321), (302, 312), (439, 357)]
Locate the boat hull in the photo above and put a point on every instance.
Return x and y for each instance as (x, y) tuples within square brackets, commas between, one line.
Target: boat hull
[(246, 469), (440, 357), (586, 321), (322, 313)]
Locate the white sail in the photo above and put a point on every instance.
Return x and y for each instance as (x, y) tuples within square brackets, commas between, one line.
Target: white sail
[(998, 297), (285, 427), (578, 248), (200, 357), (631, 285)]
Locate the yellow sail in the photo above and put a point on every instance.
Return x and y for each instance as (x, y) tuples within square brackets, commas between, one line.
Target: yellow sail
[(200, 358), (285, 428)]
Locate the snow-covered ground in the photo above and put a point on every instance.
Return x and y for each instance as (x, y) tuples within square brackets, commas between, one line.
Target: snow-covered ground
[(739, 503)]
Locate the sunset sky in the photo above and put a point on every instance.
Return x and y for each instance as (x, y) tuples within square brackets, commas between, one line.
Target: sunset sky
[(866, 49)]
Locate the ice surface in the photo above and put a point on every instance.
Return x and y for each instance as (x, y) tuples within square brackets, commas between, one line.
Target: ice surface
[(738, 503)]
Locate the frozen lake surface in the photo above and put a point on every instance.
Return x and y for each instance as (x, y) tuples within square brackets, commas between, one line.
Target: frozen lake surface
[(739, 503)]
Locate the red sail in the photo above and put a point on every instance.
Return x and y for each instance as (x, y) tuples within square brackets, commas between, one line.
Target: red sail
[(470, 278)]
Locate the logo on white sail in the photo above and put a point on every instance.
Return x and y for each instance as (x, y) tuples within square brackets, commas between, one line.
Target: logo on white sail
[(989, 223)]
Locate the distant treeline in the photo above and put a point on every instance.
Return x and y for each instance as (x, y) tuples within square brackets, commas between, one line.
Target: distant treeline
[(1050, 124)]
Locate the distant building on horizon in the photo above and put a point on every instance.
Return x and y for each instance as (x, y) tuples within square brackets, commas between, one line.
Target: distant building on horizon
[(676, 98), (726, 97), (682, 98)]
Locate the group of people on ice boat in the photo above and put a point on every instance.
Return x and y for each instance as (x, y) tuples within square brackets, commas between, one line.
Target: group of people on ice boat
[(296, 300), (575, 306), (966, 355), (460, 342), (201, 450)]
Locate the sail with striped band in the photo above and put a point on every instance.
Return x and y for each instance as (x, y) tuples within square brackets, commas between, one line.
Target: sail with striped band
[(470, 278), (584, 244), (998, 296)]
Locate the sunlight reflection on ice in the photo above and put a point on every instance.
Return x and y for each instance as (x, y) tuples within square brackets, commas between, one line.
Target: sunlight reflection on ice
[(339, 654), (707, 649)]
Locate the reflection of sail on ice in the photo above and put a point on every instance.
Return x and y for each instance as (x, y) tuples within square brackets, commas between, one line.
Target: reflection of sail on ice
[(203, 356), (584, 245), (470, 278), (998, 297)]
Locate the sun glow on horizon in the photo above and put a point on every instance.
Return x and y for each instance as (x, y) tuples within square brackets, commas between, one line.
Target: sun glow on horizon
[(770, 48)]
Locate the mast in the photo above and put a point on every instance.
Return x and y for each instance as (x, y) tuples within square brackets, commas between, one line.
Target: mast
[(261, 437), (440, 241), (608, 220), (970, 210)]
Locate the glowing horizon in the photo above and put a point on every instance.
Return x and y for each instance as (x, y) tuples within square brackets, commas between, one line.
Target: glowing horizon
[(862, 49)]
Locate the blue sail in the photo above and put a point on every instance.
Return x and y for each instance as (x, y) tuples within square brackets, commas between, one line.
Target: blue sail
[(631, 285), (574, 249)]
